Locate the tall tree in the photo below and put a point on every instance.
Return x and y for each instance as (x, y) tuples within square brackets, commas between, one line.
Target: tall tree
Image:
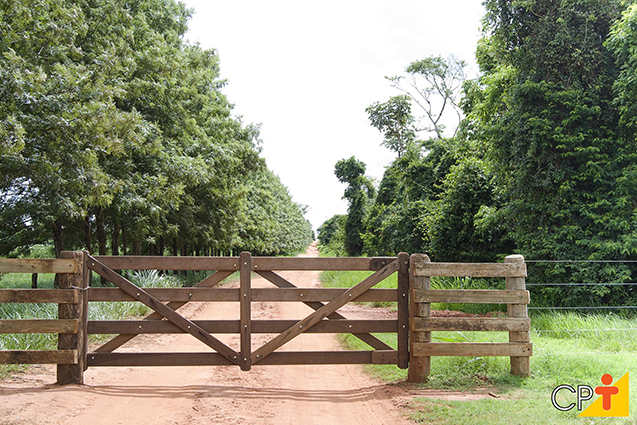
[(358, 193)]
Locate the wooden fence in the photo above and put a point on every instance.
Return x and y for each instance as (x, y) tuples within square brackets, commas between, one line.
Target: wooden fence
[(413, 322), (517, 323)]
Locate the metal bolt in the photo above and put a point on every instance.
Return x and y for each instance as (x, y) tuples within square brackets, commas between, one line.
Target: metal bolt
[(245, 326), (188, 326), (92, 357), (245, 295), (258, 355), (138, 294), (383, 263), (245, 360), (301, 294), (189, 295), (140, 326), (350, 326), (67, 328)]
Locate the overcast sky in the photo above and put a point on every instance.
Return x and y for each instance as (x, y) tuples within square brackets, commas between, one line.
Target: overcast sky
[(306, 71)]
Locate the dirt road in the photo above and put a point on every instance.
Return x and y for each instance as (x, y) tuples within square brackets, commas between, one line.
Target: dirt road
[(323, 394)]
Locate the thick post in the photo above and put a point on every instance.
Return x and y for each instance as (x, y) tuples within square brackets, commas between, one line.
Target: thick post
[(520, 366), (419, 367), (403, 310), (245, 301), (74, 373)]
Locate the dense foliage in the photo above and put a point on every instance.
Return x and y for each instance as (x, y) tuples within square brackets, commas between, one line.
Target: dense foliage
[(544, 162), (114, 129)]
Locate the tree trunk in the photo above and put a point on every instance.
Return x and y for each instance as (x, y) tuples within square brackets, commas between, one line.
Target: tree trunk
[(115, 239), (87, 233), (101, 233)]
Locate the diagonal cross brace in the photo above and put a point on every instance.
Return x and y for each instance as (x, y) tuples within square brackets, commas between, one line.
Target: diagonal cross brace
[(170, 314), (323, 312), (120, 340), (283, 283)]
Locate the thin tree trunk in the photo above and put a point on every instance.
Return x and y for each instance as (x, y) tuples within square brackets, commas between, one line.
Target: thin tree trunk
[(115, 239), (87, 233)]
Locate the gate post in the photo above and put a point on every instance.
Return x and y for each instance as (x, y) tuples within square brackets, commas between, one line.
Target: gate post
[(74, 373), (403, 310), (520, 366), (245, 300), (419, 367)]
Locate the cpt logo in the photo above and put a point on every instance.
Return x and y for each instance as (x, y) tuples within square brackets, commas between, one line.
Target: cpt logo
[(612, 400)]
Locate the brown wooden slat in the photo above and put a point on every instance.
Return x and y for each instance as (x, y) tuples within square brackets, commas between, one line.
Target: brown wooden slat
[(403, 310), (478, 349), (52, 296), (323, 312), (232, 294), (310, 263), (131, 262), (164, 310), (245, 311), (213, 359), (120, 340), (476, 296), (470, 269), (39, 357), (487, 324), (419, 367), (520, 365), (19, 265), (281, 282), (136, 327), (39, 326)]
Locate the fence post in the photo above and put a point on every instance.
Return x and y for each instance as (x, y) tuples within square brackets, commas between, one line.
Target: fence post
[(520, 366), (403, 310), (245, 307), (419, 367), (74, 373)]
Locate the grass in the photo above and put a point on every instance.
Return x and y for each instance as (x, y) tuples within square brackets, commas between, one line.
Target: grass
[(569, 348)]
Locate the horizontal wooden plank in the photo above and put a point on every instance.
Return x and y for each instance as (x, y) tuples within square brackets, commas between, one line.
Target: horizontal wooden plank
[(429, 269), (316, 263), (133, 327), (488, 324), (477, 349), (214, 359), (52, 296), (232, 294), (471, 296), (39, 357), (132, 262), (39, 326), (20, 265)]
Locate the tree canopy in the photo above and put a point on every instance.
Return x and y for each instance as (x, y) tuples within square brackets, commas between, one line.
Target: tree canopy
[(113, 128)]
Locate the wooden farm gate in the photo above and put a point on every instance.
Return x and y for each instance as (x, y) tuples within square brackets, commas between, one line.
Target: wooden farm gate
[(413, 296)]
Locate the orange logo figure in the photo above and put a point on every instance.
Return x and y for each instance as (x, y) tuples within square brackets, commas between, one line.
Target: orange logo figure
[(613, 401), (606, 392)]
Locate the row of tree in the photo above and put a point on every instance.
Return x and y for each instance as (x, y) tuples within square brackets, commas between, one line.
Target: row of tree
[(543, 163), (115, 136)]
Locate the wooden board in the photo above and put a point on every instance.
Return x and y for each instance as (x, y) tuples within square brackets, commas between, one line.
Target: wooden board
[(131, 262), (245, 311), (213, 359), (232, 294), (136, 327), (312, 263), (471, 296), (477, 349), (422, 324), (470, 269), (403, 310), (19, 265), (52, 296), (39, 326), (39, 357)]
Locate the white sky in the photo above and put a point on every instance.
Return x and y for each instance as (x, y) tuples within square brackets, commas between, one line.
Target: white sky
[(307, 70)]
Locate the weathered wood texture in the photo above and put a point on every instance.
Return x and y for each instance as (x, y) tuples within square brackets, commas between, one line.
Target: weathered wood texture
[(15, 265), (471, 296), (39, 326), (320, 263), (323, 312), (136, 327), (506, 349), (520, 366), (419, 366), (120, 340), (245, 311), (58, 357), (73, 372), (170, 314), (214, 359), (422, 268), (403, 310), (51, 296), (232, 294)]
